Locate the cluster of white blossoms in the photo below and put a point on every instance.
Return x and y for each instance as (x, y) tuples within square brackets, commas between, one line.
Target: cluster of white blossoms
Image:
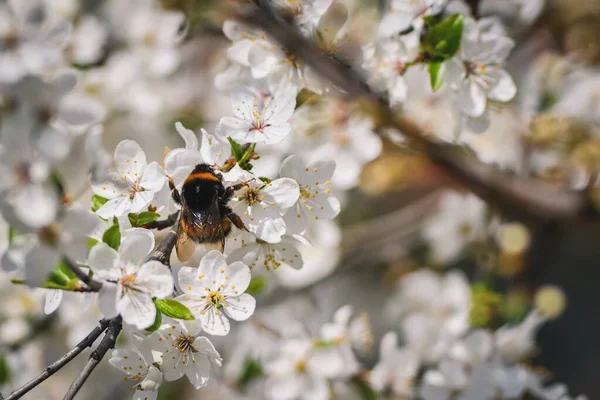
[(291, 148)]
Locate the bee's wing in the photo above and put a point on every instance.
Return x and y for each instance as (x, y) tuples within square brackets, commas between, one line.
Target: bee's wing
[(220, 245), (184, 245)]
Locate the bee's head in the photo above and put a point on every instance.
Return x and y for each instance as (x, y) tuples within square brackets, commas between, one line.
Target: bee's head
[(203, 167)]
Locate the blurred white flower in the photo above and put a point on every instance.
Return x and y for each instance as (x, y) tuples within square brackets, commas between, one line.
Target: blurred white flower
[(132, 183), (129, 282), (330, 129), (402, 14), (320, 255), (386, 62), (27, 44), (258, 117), (517, 342), (184, 352), (214, 292), (153, 33), (68, 236), (138, 364), (262, 205), (293, 372), (88, 42), (433, 311), (316, 200), (459, 221), (304, 13), (477, 72), (396, 369)]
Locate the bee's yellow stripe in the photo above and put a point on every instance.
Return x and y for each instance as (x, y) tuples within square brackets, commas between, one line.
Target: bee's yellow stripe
[(204, 176)]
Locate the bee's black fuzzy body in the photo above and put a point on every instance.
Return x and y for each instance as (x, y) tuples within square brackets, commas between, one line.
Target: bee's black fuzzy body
[(205, 215)]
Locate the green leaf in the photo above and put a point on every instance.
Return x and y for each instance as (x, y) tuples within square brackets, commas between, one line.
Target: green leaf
[(442, 40), (364, 390), (112, 236), (97, 202), (4, 370), (65, 270), (142, 218), (435, 75), (236, 149), (323, 344), (157, 322), (264, 179), (251, 370), (247, 154), (174, 309), (12, 234), (91, 243), (257, 285)]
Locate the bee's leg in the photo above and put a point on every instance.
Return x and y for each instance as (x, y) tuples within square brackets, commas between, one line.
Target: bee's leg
[(231, 189), (174, 192), (237, 221)]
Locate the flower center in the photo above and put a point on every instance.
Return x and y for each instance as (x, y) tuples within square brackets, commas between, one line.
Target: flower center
[(251, 196), (290, 58), (127, 280), (216, 298), (185, 344), (465, 230), (300, 366), (400, 67), (135, 188), (50, 235)]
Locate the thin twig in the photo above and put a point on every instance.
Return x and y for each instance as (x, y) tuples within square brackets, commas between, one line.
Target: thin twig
[(526, 199), (93, 284), (163, 223), (64, 360), (108, 342)]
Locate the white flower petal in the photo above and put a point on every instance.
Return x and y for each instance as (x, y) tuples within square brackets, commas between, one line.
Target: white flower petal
[(53, 299), (107, 300), (283, 191), (472, 99), (102, 258), (136, 245), (239, 308), (156, 278), (188, 136), (505, 88), (239, 276), (153, 178), (130, 159), (215, 322), (137, 309), (39, 262), (116, 207)]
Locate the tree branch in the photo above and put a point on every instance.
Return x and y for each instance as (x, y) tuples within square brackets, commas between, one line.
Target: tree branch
[(108, 342), (165, 248), (93, 284), (525, 199), (64, 360)]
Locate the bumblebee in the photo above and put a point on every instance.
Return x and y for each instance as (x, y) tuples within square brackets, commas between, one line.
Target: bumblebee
[(205, 217)]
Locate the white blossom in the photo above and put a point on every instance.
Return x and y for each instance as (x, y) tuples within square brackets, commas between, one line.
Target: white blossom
[(402, 14), (185, 352), (262, 205), (396, 369), (316, 198), (214, 292), (139, 365), (258, 117), (257, 253), (129, 282), (459, 221), (132, 182), (477, 72)]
